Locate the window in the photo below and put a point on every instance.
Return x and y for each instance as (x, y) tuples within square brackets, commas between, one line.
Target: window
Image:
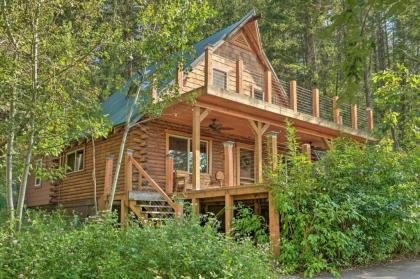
[(219, 79), (181, 149), (38, 166), (75, 160), (246, 166), (259, 94)]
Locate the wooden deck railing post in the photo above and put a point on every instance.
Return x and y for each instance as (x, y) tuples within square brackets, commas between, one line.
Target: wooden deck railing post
[(268, 86), (293, 95), (315, 102), (354, 116), (107, 182), (170, 174), (272, 148), (228, 213), (196, 148), (195, 204), (306, 150), (208, 67), (228, 163), (129, 171), (239, 76), (369, 112), (274, 225), (336, 111)]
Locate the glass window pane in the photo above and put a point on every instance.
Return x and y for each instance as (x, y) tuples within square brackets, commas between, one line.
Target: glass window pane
[(219, 79), (71, 159), (203, 157), (246, 166), (38, 167), (79, 162), (178, 147)]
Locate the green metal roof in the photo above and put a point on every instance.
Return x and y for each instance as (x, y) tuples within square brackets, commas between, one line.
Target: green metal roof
[(117, 106)]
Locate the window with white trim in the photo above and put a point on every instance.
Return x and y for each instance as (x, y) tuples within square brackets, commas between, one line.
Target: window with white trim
[(219, 79), (38, 179), (75, 160), (181, 150)]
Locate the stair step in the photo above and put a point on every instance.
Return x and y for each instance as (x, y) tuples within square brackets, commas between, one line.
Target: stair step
[(158, 212), (152, 206), (145, 196)]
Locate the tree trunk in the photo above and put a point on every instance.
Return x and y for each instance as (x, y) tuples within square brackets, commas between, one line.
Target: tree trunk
[(122, 146), (28, 157), (9, 163), (95, 201)]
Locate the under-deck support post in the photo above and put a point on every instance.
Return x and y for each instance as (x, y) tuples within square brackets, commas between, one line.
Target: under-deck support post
[(354, 116), (315, 102), (195, 204), (274, 225), (208, 68), (239, 76), (293, 95), (196, 148), (228, 163), (170, 174), (268, 86), (370, 119), (228, 213), (306, 150)]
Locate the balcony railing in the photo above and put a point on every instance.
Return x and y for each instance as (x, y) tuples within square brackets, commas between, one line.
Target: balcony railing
[(287, 94)]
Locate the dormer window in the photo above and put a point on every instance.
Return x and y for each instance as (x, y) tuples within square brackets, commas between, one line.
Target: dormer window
[(219, 79)]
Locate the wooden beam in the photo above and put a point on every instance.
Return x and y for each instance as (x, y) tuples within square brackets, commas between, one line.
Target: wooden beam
[(195, 204), (195, 142), (129, 171), (228, 213), (107, 182), (326, 142), (228, 163), (204, 114), (293, 95), (239, 191), (239, 76), (369, 112), (354, 123), (170, 173), (268, 86), (274, 225), (306, 150), (315, 102), (208, 67)]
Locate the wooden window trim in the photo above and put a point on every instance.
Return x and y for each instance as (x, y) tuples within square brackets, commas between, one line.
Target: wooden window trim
[(84, 160), (37, 185), (170, 133), (226, 74)]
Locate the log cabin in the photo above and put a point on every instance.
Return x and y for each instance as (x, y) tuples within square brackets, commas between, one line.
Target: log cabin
[(210, 152)]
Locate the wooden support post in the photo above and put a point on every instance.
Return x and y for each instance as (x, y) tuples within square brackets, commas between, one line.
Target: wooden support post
[(272, 148), (228, 213), (208, 67), (315, 102), (239, 76), (195, 204), (336, 111), (107, 182), (293, 95), (258, 129), (274, 225), (228, 163), (268, 86), (354, 116), (196, 148), (129, 171), (306, 150), (170, 174), (369, 112), (123, 212), (179, 77)]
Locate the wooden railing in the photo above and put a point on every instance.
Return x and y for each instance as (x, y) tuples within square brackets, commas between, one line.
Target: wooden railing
[(132, 162)]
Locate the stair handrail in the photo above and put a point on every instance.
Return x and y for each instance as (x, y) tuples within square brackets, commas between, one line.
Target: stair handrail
[(177, 208)]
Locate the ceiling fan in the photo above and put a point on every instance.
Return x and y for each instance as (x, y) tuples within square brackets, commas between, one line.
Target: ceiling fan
[(217, 127)]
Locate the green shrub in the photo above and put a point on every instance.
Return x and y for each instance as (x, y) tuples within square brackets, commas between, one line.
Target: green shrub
[(357, 205), (246, 224), (53, 246)]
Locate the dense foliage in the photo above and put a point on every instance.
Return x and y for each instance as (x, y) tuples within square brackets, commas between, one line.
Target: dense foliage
[(52, 246), (356, 205)]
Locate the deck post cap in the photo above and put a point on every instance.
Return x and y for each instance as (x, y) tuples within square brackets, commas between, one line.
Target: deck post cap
[(130, 151), (228, 143)]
